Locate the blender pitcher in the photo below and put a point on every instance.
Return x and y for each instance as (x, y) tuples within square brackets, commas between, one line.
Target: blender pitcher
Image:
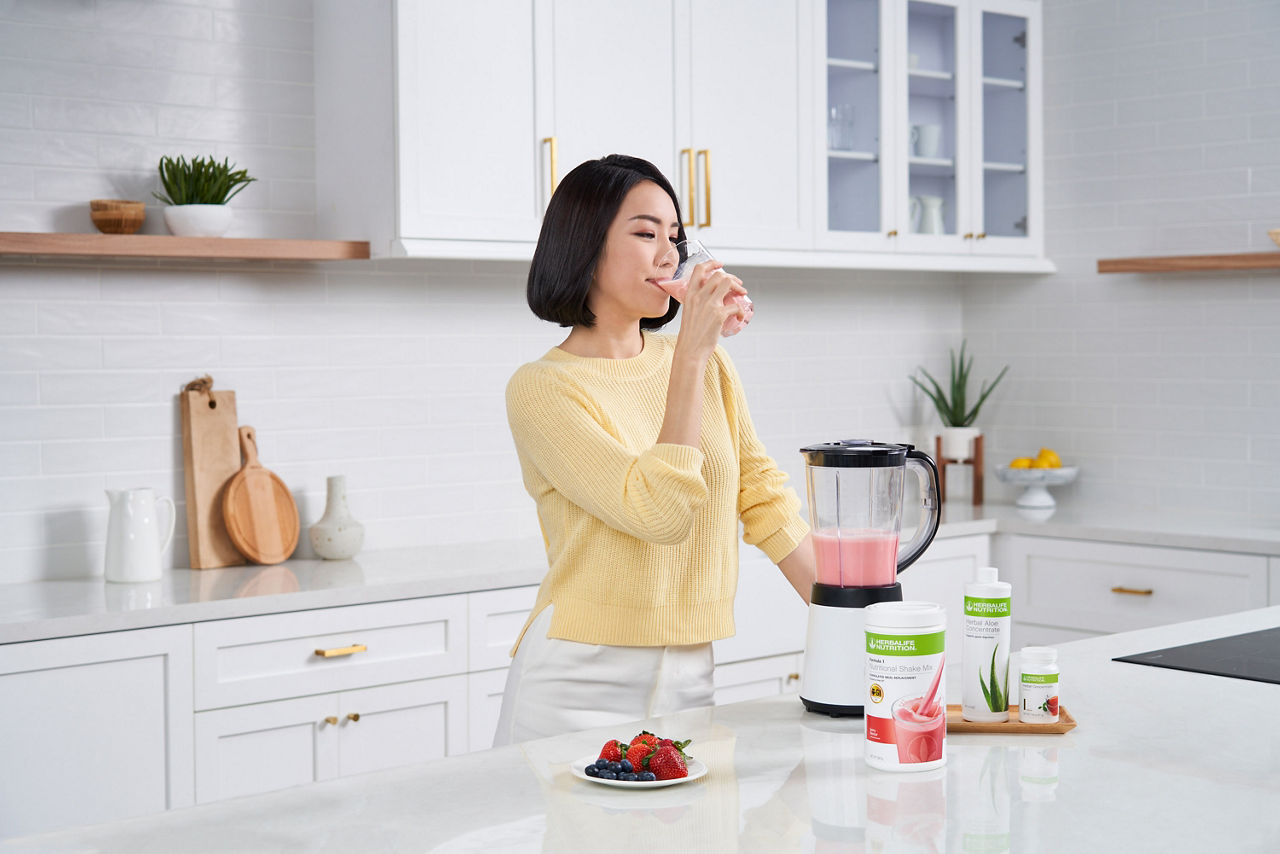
[(855, 490)]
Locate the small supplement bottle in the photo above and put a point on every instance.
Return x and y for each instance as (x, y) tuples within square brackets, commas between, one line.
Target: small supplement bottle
[(906, 705), (1039, 685)]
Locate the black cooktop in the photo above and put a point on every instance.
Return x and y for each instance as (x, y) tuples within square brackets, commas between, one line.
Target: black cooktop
[(1254, 656)]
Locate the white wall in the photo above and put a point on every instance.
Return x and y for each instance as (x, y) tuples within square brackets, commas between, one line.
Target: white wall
[(1162, 122), (389, 372)]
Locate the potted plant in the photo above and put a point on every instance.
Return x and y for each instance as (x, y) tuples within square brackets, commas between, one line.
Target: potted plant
[(957, 415), (197, 194)]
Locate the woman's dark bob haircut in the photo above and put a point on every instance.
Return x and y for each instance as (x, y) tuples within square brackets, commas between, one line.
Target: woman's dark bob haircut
[(574, 228)]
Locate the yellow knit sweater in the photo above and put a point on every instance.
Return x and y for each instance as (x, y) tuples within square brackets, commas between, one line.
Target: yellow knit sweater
[(642, 537)]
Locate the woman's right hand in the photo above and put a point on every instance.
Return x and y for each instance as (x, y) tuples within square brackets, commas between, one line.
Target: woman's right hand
[(705, 311)]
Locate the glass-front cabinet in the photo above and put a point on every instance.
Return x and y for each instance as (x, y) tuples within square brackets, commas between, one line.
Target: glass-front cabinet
[(931, 115)]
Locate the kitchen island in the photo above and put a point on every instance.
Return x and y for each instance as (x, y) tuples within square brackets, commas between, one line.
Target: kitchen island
[(1162, 760)]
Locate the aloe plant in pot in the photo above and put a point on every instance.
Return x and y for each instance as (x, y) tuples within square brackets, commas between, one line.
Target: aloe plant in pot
[(953, 405), (197, 193)]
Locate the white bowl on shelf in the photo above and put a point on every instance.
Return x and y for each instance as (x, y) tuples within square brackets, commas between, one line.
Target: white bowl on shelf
[(1037, 482)]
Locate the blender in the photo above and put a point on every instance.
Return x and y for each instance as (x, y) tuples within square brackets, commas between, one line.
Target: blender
[(855, 489)]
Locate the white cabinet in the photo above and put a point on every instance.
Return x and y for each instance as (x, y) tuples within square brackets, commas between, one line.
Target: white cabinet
[(1273, 597), (1094, 587), (746, 167), (760, 677), (310, 695), (931, 138), (99, 728), (484, 705), (940, 575), (266, 746)]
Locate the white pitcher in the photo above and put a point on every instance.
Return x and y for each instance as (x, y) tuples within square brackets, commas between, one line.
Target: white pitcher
[(134, 541), (926, 213)]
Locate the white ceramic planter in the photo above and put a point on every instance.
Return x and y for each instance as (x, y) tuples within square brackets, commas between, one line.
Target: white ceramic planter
[(197, 220), (957, 442)]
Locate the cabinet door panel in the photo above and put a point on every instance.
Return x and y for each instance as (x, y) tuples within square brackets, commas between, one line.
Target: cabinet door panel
[(750, 110), (484, 705), (770, 618), (494, 620), (751, 680), (940, 575), (264, 747), (94, 732), (468, 151), (402, 724), (614, 82)]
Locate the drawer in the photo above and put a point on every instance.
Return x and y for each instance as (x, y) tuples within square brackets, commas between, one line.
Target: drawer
[(274, 657), (1112, 587), (495, 618)]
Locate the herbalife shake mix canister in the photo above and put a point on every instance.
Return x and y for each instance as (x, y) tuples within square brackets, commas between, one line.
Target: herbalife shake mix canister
[(906, 707)]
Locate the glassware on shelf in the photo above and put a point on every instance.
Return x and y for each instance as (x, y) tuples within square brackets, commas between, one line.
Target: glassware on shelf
[(840, 127)]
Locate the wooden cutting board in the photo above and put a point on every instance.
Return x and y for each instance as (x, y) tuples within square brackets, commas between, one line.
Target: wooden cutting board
[(260, 513), (210, 458)]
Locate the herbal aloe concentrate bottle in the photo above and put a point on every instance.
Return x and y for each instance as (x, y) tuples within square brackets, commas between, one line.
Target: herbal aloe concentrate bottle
[(985, 692)]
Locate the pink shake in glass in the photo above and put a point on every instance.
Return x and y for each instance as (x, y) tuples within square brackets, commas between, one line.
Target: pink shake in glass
[(919, 733), (679, 288), (856, 558)]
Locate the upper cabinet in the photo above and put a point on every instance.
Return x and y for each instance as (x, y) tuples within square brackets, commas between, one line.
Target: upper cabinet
[(834, 133), (931, 113)]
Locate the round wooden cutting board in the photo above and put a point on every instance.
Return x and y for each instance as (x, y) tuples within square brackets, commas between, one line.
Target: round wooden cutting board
[(261, 516)]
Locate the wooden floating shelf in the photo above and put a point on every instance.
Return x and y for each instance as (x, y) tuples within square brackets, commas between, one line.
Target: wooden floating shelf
[(1191, 263), (166, 246)]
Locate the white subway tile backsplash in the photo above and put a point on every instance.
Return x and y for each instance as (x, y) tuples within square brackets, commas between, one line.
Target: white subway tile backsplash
[(97, 319), (101, 387)]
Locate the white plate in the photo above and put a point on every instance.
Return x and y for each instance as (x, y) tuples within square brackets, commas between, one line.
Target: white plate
[(1038, 477), (696, 770)]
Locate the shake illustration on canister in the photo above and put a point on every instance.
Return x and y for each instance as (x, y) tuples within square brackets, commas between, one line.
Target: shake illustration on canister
[(906, 707)]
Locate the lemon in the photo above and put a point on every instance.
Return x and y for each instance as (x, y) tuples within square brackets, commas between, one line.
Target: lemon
[(1049, 459), (1020, 463)]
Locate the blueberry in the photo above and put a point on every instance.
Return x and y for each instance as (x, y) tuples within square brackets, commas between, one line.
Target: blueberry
[(591, 771), (626, 765), (602, 764), (608, 775), (615, 767), (628, 777), (646, 776)]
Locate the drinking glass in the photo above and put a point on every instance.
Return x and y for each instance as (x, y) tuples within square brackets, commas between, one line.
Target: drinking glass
[(685, 256)]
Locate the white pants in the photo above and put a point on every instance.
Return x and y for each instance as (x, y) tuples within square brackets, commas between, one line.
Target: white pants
[(557, 686)]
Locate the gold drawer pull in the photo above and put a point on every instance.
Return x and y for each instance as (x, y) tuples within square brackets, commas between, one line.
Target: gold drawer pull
[(332, 720), (342, 650), (353, 716), (1133, 591), (793, 677)]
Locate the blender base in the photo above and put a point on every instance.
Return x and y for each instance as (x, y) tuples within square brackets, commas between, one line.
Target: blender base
[(831, 710)]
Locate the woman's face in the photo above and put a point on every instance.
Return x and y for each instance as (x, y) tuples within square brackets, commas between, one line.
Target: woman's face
[(625, 286)]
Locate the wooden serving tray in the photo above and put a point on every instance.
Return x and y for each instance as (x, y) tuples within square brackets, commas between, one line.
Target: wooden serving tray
[(1013, 726)]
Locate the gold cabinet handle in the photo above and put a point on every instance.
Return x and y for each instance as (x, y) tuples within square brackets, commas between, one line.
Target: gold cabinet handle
[(706, 184), (968, 235), (337, 652), (982, 235), (688, 152), (332, 720), (793, 677), (1133, 591), (551, 141), (893, 233), (353, 716)]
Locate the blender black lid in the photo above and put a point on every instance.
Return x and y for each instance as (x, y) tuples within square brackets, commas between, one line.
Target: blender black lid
[(855, 453)]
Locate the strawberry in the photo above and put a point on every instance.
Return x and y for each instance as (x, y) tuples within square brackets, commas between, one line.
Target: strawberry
[(1053, 705), (613, 750), (667, 763), (639, 753), (646, 737)]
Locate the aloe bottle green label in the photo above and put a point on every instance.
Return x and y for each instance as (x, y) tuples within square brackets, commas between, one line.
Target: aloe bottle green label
[(977, 606), (927, 644)]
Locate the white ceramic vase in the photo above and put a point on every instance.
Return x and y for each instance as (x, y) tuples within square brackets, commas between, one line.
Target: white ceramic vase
[(337, 536), (197, 220), (957, 442)]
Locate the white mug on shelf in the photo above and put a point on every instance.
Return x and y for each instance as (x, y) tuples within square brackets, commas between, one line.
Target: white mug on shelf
[(926, 140)]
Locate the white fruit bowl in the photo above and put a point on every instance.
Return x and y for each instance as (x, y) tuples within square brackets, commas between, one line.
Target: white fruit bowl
[(1036, 481)]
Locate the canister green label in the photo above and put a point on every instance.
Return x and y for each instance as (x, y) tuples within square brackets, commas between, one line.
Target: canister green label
[(930, 644), (1039, 678)]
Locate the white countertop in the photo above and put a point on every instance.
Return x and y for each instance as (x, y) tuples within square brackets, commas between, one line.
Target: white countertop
[(1162, 760), (49, 609)]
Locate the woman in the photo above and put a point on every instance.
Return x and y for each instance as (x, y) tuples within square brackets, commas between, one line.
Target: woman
[(641, 457)]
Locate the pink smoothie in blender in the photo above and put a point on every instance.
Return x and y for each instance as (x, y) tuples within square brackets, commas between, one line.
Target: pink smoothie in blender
[(863, 558)]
